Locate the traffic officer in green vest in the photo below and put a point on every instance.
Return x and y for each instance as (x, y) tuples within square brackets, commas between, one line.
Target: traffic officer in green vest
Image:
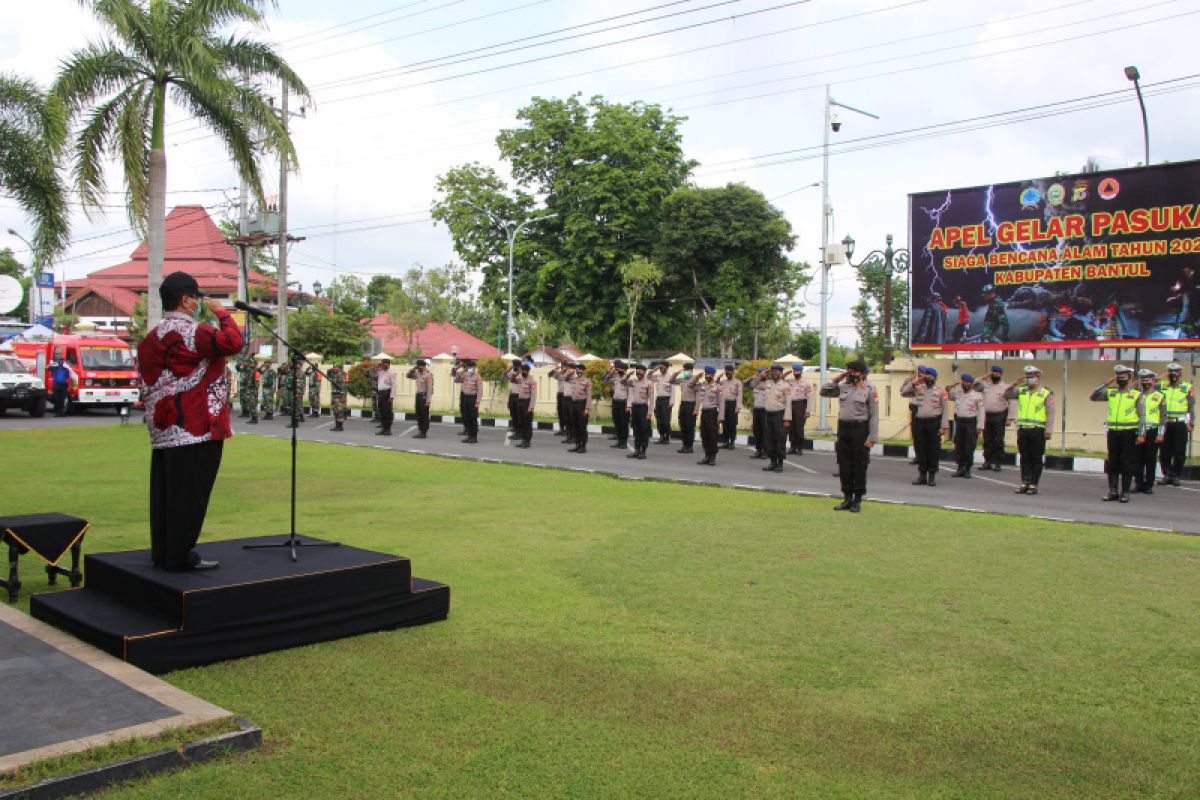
[(1147, 455), (1126, 426), (1035, 421), (1179, 406)]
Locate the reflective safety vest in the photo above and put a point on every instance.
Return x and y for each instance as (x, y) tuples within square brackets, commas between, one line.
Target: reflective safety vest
[(1031, 407), (1153, 408), (1122, 409), (1176, 405)]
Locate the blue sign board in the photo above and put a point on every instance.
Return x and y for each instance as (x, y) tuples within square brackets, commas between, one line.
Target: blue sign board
[(46, 280)]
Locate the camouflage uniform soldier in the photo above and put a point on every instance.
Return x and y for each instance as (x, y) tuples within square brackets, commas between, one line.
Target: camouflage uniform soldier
[(301, 391), (267, 374), (337, 395), (314, 390), (279, 391), (287, 392), (244, 372), (250, 398)]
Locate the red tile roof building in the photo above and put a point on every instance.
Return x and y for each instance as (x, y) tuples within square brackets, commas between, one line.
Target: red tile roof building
[(194, 244), (432, 340)]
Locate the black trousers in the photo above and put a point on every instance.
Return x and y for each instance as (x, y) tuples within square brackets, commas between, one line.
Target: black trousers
[(687, 422), (709, 436), (966, 430), (422, 413), (1122, 452), (993, 436), (1031, 444), (662, 416), (927, 441), (1145, 461), (470, 414), (796, 432), (181, 481), (579, 421), (1173, 450), (852, 457), (757, 429), (729, 424), (525, 418), (620, 414), (514, 412), (775, 435), (563, 415), (60, 397), (641, 425), (386, 413)]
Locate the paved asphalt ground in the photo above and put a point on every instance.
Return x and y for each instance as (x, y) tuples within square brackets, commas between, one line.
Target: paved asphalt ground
[(1066, 496)]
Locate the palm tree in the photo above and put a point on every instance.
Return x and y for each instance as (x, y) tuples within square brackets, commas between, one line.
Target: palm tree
[(160, 48), (32, 130)]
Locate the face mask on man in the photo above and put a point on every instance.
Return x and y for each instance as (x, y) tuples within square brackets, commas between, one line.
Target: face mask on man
[(995, 379), (966, 386), (1174, 377), (1122, 380), (1031, 380)]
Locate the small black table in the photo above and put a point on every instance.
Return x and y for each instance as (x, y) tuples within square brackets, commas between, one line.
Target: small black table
[(47, 536)]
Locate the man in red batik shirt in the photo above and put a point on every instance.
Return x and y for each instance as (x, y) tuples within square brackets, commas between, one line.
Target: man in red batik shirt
[(184, 388)]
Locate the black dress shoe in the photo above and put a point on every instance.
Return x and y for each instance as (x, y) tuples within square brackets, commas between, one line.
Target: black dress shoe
[(617, 445), (684, 450), (252, 422), (845, 504), (634, 454), (383, 433)]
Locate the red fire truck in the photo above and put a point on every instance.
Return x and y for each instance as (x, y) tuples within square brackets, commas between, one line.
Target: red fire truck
[(104, 368)]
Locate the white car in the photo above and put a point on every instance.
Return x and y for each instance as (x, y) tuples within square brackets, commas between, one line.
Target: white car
[(20, 389)]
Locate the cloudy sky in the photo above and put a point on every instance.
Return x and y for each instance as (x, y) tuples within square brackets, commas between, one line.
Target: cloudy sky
[(967, 92)]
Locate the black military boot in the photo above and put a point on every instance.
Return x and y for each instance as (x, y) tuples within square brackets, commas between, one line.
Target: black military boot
[(637, 451), (778, 466), (687, 448), (961, 472), (580, 449), (641, 453), (847, 501), (619, 444), (921, 480), (967, 471), (769, 467), (932, 481), (856, 505), (269, 417), (337, 426), (1126, 481), (253, 421), (1113, 494)]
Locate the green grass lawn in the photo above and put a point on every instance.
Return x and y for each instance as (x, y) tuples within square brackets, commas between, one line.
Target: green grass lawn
[(630, 639)]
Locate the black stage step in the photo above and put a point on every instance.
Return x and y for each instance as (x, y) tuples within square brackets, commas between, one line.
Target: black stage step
[(257, 601)]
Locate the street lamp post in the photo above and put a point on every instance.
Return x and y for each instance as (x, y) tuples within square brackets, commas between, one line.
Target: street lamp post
[(894, 263), (511, 234), (35, 291), (832, 123), (1132, 74)]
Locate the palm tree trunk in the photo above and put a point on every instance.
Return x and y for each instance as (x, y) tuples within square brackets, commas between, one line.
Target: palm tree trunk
[(156, 235), (156, 224)]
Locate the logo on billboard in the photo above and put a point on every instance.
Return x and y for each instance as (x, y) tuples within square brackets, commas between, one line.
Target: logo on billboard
[(1079, 192), (45, 280), (1030, 198), (1056, 194), (1109, 188)]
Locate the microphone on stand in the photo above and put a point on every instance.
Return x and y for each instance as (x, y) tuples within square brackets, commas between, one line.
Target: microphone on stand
[(249, 309)]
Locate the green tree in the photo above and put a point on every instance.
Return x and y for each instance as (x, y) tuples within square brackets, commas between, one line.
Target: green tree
[(160, 49), (868, 311), (378, 289), (316, 328), (725, 248), (347, 295), (604, 170), (419, 300), (32, 132), (640, 277)]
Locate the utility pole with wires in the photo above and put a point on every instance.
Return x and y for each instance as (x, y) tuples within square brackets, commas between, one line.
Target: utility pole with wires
[(284, 239)]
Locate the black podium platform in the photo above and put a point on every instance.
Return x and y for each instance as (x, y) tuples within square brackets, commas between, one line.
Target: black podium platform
[(256, 602)]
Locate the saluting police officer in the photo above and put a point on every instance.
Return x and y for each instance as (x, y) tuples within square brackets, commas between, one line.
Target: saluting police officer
[(470, 395), (996, 410), (757, 384), (710, 408), (686, 379), (1146, 461), (579, 395), (1180, 408), (969, 419), (664, 400), (929, 422), (1126, 425), (424, 380), (731, 395), (1035, 421), (858, 430), (641, 398), (777, 417), (513, 376), (800, 394)]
